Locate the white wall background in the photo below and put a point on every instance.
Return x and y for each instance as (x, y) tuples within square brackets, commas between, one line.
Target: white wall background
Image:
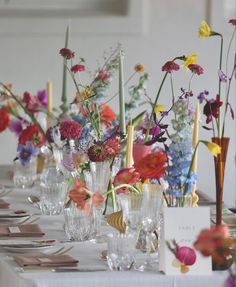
[(152, 32)]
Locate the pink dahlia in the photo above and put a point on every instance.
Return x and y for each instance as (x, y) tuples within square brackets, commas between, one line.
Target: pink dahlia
[(70, 129), (113, 146)]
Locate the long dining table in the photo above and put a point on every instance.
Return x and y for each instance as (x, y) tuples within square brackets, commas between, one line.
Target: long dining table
[(92, 269)]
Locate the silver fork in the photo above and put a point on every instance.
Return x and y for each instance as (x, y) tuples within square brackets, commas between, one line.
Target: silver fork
[(62, 250)]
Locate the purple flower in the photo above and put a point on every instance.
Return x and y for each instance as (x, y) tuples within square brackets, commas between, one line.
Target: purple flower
[(42, 98), (202, 96), (230, 282), (26, 151), (222, 76), (16, 127)]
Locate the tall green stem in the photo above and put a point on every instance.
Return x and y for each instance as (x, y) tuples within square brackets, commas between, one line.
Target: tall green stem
[(219, 90), (153, 108)]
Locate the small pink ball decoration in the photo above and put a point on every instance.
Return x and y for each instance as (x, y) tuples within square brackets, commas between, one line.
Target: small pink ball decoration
[(186, 255)]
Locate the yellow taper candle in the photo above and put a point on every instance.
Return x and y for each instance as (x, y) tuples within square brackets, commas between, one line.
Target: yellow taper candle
[(129, 149), (194, 143), (49, 102)]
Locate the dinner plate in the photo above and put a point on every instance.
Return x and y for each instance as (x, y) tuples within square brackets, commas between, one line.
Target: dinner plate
[(11, 215), (35, 249), (23, 246)]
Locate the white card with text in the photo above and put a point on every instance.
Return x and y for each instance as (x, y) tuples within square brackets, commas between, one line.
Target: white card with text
[(180, 229)]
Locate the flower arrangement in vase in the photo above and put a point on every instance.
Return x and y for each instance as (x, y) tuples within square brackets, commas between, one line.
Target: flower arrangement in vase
[(212, 109)]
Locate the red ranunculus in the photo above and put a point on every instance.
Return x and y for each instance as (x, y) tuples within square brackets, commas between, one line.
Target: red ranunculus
[(4, 118), (32, 133), (126, 176), (152, 166), (107, 115)]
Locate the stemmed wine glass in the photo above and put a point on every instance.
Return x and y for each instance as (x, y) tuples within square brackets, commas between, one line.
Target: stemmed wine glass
[(130, 204), (151, 205)]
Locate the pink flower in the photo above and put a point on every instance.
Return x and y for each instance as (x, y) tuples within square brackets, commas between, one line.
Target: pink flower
[(103, 75), (77, 68), (97, 199), (67, 53), (140, 150), (70, 129), (113, 146), (85, 199), (126, 176), (31, 103), (186, 255), (196, 69), (233, 22), (170, 66)]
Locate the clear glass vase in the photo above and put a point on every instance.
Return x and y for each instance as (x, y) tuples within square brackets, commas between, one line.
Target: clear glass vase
[(100, 176), (24, 176), (79, 225)]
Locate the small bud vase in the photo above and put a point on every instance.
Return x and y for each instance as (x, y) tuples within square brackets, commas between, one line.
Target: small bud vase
[(219, 162)]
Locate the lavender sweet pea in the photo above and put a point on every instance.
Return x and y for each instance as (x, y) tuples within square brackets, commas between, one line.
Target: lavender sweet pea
[(26, 151)]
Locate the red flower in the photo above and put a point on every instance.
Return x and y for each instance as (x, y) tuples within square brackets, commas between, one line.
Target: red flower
[(215, 242), (196, 69), (233, 22), (107, 115), (77, 68), (170, 66), (70, 129), (211, 109), (98, 152), (4, 118), (32, 133), (126, 176), (152, 166), (67, 53)]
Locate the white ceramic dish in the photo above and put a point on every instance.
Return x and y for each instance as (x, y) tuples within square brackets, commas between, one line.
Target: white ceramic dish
[(34, 249)]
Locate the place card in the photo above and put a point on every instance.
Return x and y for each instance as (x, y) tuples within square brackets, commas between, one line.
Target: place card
[(14, 229), (180, 229)]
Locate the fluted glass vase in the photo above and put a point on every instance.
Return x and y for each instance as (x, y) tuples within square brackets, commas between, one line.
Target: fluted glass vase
[(219, 162)]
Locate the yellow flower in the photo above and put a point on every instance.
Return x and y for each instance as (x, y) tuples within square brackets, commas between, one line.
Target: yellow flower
[(204, 30), (190, 59), (214, 148), (139, 68), (83, 95), (159, 109)]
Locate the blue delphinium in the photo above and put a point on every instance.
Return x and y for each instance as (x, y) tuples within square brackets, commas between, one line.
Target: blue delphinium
[(180, 151)]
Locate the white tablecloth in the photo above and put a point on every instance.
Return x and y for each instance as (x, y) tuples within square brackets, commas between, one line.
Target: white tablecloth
[(88, 254)]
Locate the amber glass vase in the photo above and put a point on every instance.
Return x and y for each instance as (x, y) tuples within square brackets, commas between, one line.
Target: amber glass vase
[(220, 161)]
